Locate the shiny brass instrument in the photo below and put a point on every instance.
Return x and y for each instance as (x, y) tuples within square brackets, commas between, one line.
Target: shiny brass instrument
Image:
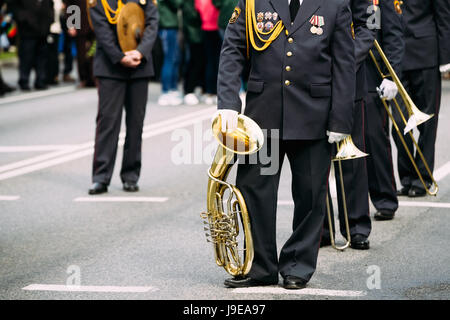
[(346, 150), (225, 204), (416, 118)]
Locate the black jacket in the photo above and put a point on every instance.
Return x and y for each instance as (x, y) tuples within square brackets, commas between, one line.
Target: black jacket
[(108, 55), (33, 17), (318, 92), (364, 38), (391, 38), (427, 33)]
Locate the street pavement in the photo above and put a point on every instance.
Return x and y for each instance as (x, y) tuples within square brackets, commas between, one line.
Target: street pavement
[(56, 242)]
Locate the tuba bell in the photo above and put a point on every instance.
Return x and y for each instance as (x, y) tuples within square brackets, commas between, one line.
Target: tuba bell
[(226, 206)]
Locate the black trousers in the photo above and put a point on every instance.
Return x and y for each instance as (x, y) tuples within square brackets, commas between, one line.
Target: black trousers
[(114, 95), (310, 165), (84, 62), (195, 69), (53, 60), (380, 167), (33, 53), (212, 46), (355, 184), (425, 89)]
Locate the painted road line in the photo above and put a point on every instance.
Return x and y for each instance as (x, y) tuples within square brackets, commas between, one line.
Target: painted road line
[(9, 198), (104, 289), (307, 291), (442, 172), (401, 204), (37, 148), (35, 95), (121, 199), (424, 204), (83, 150)]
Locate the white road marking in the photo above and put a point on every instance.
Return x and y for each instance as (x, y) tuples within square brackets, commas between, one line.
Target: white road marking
[(401, 204), (82, 150), (307, 291), (35, 95), (121, 199), (37, 148), (424, 204), (9, 198), (105, 289), (442, 172)]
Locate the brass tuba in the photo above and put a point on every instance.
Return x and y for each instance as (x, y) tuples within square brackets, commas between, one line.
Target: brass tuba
[(225, 203)]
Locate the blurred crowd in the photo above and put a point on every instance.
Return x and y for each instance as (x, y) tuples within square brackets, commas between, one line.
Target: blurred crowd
[(186, 54)]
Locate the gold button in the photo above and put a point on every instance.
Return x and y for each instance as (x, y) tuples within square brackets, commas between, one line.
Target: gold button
[(289, 54), (290, 40), (287, 82), (288, 68)]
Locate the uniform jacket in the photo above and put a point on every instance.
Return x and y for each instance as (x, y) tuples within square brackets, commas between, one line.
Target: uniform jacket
[(364, 38), (318, 92), (390, 35), (427, 33), (109, 54), (33, 17)]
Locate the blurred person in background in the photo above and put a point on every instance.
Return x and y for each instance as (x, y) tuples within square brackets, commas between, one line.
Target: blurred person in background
[(53, 44), (33, 18), (6, 26), (168, 33), (193, 36), (226, 8), (210, 17), (67, 49), (84, 39)]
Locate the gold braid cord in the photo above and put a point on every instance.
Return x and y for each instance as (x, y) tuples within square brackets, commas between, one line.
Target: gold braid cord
[(112, 15), (252, 29)]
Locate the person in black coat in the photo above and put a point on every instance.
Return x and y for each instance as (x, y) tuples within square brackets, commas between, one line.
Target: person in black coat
[(33, 18), (300, 87), (382, 185), (123, 79), (355, 171), (427, 54)]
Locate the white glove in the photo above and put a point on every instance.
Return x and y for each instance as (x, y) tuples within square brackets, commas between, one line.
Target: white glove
[(388, 89), (444, 68), (229, 120), (335, 137)]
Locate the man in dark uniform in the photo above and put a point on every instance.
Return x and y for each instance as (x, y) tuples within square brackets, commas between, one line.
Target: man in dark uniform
[(33, 18), (382, 186), (427, 38), (355, 171), (301, 86), (122, 81)]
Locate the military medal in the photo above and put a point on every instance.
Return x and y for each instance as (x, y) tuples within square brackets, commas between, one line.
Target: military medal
[(260, 17), (268, 15), (275, 16), (317, 23), (260, 26), (269, 26)]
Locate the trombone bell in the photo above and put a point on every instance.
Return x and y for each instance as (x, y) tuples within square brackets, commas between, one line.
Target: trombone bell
[(348, 151), (418, 117)]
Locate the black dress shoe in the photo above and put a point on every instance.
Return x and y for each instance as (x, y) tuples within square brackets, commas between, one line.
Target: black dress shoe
[(403, 192), (245, 282), (98, 188), (130, 187), (25, 87), (41, 87), (325, 242), (360, 242), (415, 192), (294, 283), (384, 215)]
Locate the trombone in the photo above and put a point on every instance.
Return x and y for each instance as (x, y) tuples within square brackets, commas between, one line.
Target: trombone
[(346, 151), (416, 118)]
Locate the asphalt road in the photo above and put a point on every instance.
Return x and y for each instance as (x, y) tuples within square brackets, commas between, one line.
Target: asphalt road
[(50, 236)]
